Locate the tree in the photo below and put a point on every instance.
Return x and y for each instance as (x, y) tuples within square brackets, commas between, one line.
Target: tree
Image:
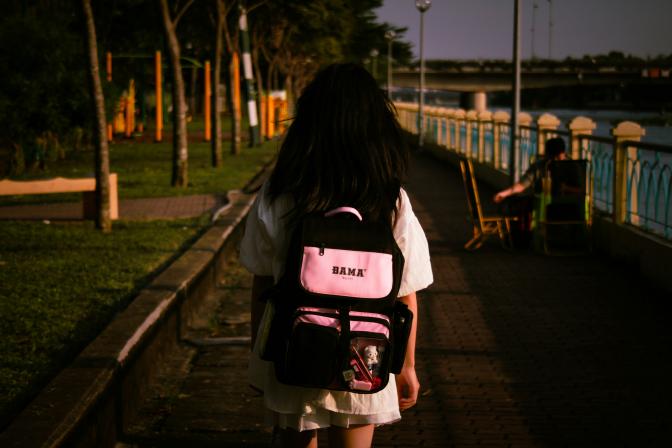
[(180, 176), (43, 88), (216, 143), (102, 154)]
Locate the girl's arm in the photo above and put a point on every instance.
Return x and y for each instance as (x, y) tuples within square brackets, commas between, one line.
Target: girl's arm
[(407, 381), (259, 285)]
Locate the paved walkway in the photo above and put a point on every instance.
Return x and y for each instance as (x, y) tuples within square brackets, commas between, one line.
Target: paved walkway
[(151, 208), (515, 349)]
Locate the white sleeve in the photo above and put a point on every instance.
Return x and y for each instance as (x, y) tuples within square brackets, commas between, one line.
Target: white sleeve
[(411, 240), (256, 247)]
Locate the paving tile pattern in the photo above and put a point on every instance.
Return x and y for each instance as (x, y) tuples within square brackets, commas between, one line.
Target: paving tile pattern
[(515, 349)]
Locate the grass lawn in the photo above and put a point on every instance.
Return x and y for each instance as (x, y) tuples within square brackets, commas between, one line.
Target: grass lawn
[(144, 169), (61, 283)]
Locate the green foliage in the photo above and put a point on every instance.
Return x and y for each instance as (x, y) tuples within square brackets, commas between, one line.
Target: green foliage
[(42, 84)]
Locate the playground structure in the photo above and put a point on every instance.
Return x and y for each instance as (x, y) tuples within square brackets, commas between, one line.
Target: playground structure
[(129, 117)]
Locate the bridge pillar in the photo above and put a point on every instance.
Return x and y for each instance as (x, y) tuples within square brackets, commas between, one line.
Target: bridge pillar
[(579, 126), (477, 101), (547, 124), (501, 121), (625, 171)]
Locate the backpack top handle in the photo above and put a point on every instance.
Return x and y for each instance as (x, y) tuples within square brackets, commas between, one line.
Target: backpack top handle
[(344, 210)]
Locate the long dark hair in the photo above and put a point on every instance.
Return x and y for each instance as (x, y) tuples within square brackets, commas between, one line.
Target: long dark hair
[(344, 147)]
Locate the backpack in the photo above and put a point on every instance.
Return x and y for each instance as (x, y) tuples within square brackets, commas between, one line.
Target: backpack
[(336, 323)]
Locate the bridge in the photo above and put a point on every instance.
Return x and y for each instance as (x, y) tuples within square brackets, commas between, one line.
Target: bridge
[(475, 81)]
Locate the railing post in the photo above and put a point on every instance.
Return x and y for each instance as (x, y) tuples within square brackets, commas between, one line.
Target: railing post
[(431, 121), (447, 116), (579, 126), (524, 123), (436, 112), (450, 124), (626, 130), (546, 123), (500, 120), (410, 122), (472, 117), (459, 118), (484, 117), (441, 123)]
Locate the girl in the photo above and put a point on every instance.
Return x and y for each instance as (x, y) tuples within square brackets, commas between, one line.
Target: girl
[(344, 147)]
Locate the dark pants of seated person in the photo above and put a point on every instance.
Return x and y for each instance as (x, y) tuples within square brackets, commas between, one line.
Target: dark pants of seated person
[(519, 206)]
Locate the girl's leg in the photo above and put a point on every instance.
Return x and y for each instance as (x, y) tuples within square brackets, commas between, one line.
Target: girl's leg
[(290, 438), (356, 436)]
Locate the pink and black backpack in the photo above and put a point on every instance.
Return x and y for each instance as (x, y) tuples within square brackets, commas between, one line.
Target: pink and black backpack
[(336, 322)]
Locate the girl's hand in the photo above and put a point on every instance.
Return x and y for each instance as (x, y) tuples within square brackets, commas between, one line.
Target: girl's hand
[(408, 388)]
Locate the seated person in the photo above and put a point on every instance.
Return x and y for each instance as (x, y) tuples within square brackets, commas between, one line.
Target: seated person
[(555, 150)]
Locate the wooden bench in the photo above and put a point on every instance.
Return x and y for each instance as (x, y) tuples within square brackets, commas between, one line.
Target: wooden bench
[(62, 185)]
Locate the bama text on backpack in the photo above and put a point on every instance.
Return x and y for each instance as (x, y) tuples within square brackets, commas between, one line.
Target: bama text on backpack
[(336, 323)]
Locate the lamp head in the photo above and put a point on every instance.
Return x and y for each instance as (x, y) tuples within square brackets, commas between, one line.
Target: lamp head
[(390, 34), (423, 5)]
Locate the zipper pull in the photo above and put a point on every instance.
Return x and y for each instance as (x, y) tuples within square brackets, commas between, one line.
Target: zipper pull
[(321, 249)]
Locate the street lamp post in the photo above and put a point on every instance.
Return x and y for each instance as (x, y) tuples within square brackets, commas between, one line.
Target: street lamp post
[(374, 62), (423, 6), (515, 137), (389, 36)]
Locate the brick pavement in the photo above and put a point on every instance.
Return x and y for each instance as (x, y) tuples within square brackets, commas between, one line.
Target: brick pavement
[(515, 349)]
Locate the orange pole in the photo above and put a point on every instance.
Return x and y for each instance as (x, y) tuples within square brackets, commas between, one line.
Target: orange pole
[(263, 121), (159, 99), (271, 117), (236, 83), (109, 132), (108, 65), (129, 114), (206, 103)]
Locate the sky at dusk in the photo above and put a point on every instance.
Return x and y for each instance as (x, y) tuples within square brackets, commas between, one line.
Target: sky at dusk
[(483, 29)]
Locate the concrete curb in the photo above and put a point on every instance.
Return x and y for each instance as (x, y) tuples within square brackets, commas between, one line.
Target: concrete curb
[(91, 401)]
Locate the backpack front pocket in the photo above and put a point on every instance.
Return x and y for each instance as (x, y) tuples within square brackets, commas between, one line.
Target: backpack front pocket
[(348, 273), (319, 353), (312, 353)]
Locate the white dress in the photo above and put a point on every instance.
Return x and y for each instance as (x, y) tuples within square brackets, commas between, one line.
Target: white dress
[(262, 252)]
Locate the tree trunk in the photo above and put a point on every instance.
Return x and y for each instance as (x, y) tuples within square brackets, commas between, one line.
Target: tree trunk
[(235, 106), (192, 91), (180, 149), (289, 89), (102, 153), (216, 143)]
